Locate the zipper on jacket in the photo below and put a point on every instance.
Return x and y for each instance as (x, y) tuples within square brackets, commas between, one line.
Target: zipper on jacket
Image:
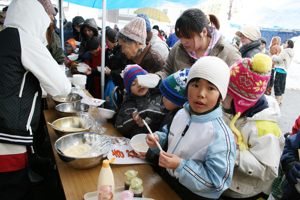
[(185, 130), (23, 83), (183, 133), (28, 127)]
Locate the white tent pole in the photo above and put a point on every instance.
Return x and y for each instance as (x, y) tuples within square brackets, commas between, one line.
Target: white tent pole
[(61, 17), (103, 49)]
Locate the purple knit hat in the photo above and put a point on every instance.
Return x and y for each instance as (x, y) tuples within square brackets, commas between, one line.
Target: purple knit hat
[(130, 73)]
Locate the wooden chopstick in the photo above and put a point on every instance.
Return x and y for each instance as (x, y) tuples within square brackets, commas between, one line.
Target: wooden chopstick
[(152, 134)]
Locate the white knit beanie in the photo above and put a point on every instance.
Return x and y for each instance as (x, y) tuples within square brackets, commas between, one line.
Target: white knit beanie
[(135, 30), (212, 69), (250, 31)]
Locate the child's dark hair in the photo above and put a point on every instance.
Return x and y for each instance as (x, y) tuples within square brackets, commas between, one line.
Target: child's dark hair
[(196, 80), (290, 43), (191, 21), (111, 35), (93, 43)]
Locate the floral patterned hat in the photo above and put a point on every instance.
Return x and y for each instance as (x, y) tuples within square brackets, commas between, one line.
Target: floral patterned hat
[(248, 82)]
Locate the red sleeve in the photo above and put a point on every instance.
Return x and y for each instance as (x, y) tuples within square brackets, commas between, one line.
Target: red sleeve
[(296, 126)]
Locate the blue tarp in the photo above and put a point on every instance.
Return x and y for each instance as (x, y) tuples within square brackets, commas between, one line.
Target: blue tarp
[(269, 34), (120, 4)]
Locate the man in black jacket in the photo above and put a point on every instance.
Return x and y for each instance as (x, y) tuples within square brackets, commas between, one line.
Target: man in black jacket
[(249, 35)]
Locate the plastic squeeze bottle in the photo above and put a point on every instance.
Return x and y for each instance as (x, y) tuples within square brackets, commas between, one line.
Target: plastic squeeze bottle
[(105, 193), (136, 187), (130, 174), (106, 176)]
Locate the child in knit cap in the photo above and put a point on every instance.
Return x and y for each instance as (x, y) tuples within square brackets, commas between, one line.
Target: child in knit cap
[(140, 103), (200, 156), (252, 117), (173, 90)]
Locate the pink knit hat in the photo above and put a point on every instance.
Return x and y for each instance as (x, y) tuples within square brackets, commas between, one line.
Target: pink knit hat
[(248, 82), (135, 30)]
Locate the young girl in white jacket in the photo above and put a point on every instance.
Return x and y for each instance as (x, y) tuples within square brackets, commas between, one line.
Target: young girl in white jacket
[(252, 117), (201, 151)]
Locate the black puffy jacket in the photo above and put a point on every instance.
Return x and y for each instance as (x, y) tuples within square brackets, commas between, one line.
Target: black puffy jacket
[(91, 24), (150, 107)]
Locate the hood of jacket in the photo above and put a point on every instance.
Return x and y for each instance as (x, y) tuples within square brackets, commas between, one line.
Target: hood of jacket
[(290, 52), (68, 26), (91, 24), (154, 36), (260, 105), (269, 113), (34, 23), (78, 21)]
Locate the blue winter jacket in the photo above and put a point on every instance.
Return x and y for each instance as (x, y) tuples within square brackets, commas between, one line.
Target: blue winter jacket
[(290, 151), (207, 149)]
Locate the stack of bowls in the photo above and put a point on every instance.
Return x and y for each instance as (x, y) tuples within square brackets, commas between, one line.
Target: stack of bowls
[(72, 97), (71, 108)]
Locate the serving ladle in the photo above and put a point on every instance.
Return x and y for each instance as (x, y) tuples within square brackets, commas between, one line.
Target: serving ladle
[(55, 127)]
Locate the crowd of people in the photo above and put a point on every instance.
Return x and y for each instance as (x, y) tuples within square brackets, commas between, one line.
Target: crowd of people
[(211, 111)]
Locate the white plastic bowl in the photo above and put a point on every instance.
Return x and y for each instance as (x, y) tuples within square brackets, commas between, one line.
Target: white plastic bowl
[(138, 139), (82, 67), (148, 81), (106, 113), (100, 69), (73, 57)]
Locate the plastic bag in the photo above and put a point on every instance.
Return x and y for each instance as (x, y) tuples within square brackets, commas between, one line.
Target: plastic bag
[(97, 127), (108, 91)]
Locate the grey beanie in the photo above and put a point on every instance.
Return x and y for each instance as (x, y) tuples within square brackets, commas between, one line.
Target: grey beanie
[(250, 31), (212, 69), (263, 40), (135, 30)]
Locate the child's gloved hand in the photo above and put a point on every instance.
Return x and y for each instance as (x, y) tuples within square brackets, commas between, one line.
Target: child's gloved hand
[(292, 171)]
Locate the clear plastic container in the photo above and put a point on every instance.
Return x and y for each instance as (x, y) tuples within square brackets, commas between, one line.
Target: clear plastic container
[(105, 192), (129, 175), (136, 187), (127, 195)]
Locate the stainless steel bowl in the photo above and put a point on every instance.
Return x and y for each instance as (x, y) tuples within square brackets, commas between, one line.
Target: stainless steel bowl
[(72, 97), (102, 142), (71, 108), (72, 124)]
